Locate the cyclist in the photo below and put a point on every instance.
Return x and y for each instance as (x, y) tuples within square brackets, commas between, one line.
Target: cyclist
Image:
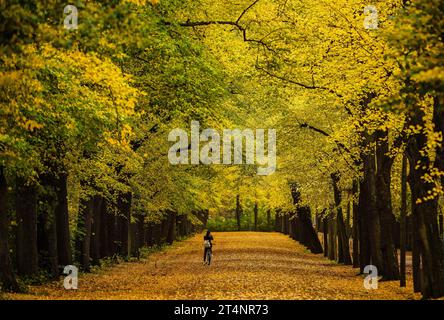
[(208, 245)]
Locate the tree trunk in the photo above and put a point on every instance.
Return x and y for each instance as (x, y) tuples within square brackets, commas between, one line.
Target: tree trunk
[(390, 266), (96, 230), (26, 210), (133, 241), (441, 225), (416, 255), (238, 213), (269, 219), (46, 227), (106, 225), (124, 206), (426, 212), (355, 229), (309, 238), (331, 237), (325, 231), (343, 246), (255, 210), (403, 215), (171, 233), (7, 277), (438, 121), (64, 251), (364, 241), (140, 232), (277, 221), (373, 222), (157, 234), (285, 218), (83, 238), (165, 227)]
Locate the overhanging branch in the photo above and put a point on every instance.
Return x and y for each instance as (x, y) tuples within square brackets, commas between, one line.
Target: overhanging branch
[(340, 145), (235, 24)]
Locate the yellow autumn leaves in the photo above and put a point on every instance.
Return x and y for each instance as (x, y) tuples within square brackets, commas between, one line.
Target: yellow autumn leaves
[(246, 265)]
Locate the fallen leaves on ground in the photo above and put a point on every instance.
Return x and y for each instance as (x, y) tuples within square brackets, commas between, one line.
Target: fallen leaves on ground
[(246, 265)]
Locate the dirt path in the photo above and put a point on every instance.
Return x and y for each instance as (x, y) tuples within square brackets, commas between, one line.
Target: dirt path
[(247, 265)]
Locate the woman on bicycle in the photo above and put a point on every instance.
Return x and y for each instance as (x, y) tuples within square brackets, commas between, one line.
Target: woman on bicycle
[(208, 245)]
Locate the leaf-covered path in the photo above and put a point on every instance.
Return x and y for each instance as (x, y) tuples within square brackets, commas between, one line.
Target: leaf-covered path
[(247, 265)]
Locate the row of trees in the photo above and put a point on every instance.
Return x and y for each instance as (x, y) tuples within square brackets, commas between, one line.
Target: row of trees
[(83, 119), (391, 130), (359, 113)]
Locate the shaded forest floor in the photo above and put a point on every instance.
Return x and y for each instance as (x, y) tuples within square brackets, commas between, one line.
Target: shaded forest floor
[(247, 265)]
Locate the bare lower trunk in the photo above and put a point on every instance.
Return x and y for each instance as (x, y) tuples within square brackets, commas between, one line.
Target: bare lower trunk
[(390, 266), (255, 210), (124, 215), (26, 210), (171, 233), (83, 237), (64, 251), (46, 227), (403, 231), (343, 246), (8, 281), (355, 229), (96, 230), (364, 245), (238, 213), (426, 215)]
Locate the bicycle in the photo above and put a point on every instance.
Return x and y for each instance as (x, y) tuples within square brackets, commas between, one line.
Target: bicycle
[(209, 256)]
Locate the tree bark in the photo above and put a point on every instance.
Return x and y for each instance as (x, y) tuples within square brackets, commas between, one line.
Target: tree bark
[(390, 266), (171, 233), (157, 234), (343, 246), (331, 237), (8, 281), (403, 215), (309, 238), (364, 241), (106, 225), (83, 238), (325, 232), (124, 207), (238, 213), (255, 210), (26, 210), (426, 212), (277, 220), (373, 222), (285, 218), (355, 229), (64, 251), (96, 230), (46, 227)]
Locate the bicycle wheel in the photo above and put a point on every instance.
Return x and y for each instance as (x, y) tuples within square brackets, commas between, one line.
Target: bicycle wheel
[(209, 256)]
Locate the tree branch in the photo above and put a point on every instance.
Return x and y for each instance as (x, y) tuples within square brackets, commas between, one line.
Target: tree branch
[(326, 134), (245, 11), (235, 24), (300, 84)]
